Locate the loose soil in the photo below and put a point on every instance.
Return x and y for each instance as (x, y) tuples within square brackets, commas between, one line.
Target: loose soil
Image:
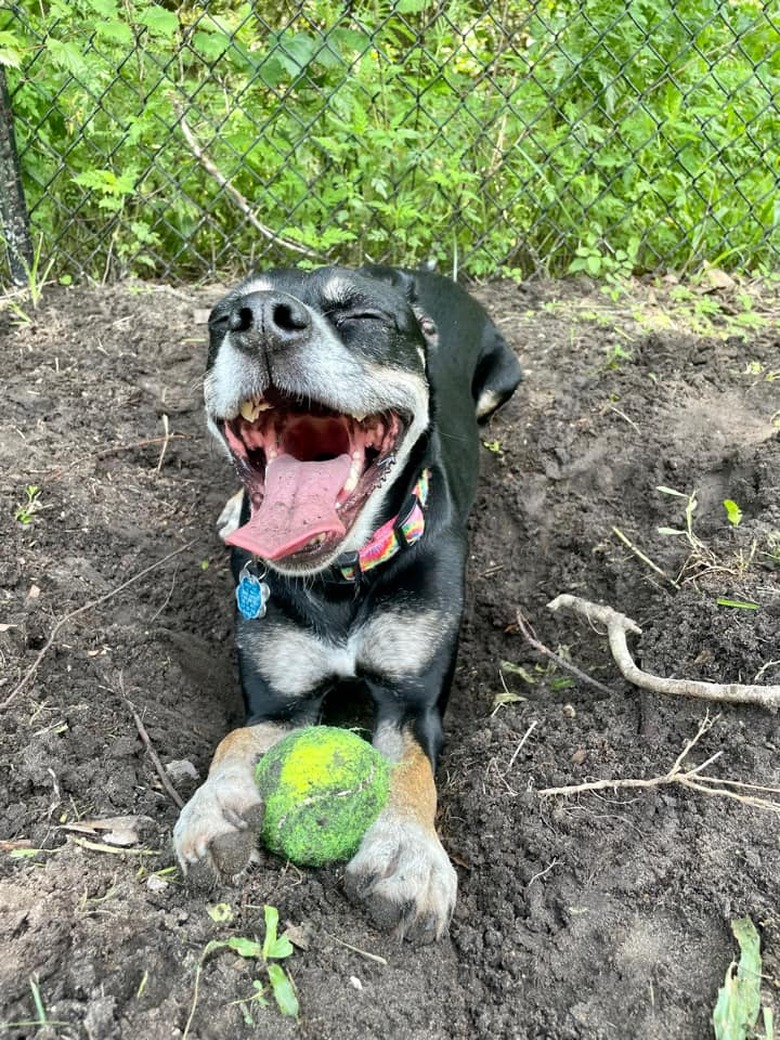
[(601, 915)]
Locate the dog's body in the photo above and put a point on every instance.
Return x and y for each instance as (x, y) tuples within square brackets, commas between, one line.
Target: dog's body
[(350, 403)]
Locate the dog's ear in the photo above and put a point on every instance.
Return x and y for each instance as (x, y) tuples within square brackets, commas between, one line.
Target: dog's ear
[(395, 276), (497, 374)]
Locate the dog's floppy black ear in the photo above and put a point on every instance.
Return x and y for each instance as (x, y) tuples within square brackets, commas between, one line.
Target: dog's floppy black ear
[(496, 376), (395, 276)]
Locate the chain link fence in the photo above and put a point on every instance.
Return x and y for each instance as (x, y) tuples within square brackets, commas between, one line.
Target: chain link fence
[(185, 141)]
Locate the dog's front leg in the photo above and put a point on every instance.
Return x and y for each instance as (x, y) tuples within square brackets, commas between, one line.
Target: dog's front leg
[(218, 828), (401, 871)]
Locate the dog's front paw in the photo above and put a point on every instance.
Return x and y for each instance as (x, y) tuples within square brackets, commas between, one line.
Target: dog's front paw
[(404, 877), (218, 828)]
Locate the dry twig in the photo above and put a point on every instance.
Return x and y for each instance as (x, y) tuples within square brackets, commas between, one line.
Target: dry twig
[(618, 625), (171, 791), (530, 637), (211, 167), (691, 778)]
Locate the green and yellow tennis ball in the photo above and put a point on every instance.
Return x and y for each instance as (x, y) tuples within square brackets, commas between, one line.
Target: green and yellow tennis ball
[(323, 787)]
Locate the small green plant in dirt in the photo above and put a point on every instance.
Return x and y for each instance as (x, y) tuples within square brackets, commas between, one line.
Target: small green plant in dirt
[(691, 505), (733, 512), (616, 355), (36, 274), (701, 558), (738, 1008), (41, 1020), (594, 257), (26, 510), (274, 948)]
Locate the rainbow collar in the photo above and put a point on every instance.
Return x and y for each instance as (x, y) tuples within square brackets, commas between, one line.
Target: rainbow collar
[(392, 537)]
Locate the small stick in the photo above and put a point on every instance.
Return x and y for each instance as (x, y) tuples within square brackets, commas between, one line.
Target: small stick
[(113, 449), (28, 675), (530, 637), (618, 625), (166, 439), (641, 556), (690, 778), (356, 949), (519, 747), (211, 167), (171, 791)]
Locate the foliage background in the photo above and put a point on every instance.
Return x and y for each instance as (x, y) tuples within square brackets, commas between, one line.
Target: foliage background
[(493, 137)]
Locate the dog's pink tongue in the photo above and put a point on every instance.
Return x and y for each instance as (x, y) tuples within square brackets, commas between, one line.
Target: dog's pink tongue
[(299, 503)]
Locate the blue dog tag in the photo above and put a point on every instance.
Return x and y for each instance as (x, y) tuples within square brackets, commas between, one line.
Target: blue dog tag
[(251, 594)]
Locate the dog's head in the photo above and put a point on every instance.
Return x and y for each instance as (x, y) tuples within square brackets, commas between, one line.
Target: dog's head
[(316, 386)]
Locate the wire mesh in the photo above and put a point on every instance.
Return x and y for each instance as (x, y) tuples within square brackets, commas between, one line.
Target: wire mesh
[(193, 140)]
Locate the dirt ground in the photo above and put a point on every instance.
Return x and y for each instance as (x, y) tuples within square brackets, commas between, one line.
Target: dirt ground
[(598, 915)]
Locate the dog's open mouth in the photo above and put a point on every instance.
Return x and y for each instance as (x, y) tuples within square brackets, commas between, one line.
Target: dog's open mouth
[(308, 471)]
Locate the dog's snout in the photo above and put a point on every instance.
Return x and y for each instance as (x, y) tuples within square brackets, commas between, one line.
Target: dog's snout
[(273, 319)]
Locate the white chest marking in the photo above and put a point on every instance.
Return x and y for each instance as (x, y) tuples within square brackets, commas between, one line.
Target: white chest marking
[(394, 644)]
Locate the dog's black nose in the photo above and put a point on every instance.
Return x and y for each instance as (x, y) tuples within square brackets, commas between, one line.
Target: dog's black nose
[(272, 319)]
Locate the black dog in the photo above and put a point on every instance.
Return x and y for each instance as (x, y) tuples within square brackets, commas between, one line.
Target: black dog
[(350, 404)]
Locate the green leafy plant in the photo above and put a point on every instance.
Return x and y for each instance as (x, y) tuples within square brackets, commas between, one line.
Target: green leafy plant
[(691, 505), (273, 949), (733, 512), (25, 511), (653, 127)]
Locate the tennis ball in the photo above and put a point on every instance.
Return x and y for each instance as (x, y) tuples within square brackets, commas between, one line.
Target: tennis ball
[(323, 787)]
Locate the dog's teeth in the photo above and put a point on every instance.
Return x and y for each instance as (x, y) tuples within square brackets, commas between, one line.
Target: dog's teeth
[(359, 416), (252, 407), (354, 473)]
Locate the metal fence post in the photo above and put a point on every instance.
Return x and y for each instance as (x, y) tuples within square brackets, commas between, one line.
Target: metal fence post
[(14, 224)]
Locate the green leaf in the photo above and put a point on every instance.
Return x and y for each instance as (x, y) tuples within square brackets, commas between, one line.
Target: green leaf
[(105, 8), (733, 512), (115, 30), (273, 946), (211, 45), (740, 604), (505, 697), (159, 22), (67, 56), (296, 52), (245, 947), (284, 990), (10, 54), (739, 999), (517, 669), (107, 182)]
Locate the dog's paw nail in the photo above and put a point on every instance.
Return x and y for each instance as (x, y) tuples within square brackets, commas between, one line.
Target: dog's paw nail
[(404, 878), (218, 828)]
